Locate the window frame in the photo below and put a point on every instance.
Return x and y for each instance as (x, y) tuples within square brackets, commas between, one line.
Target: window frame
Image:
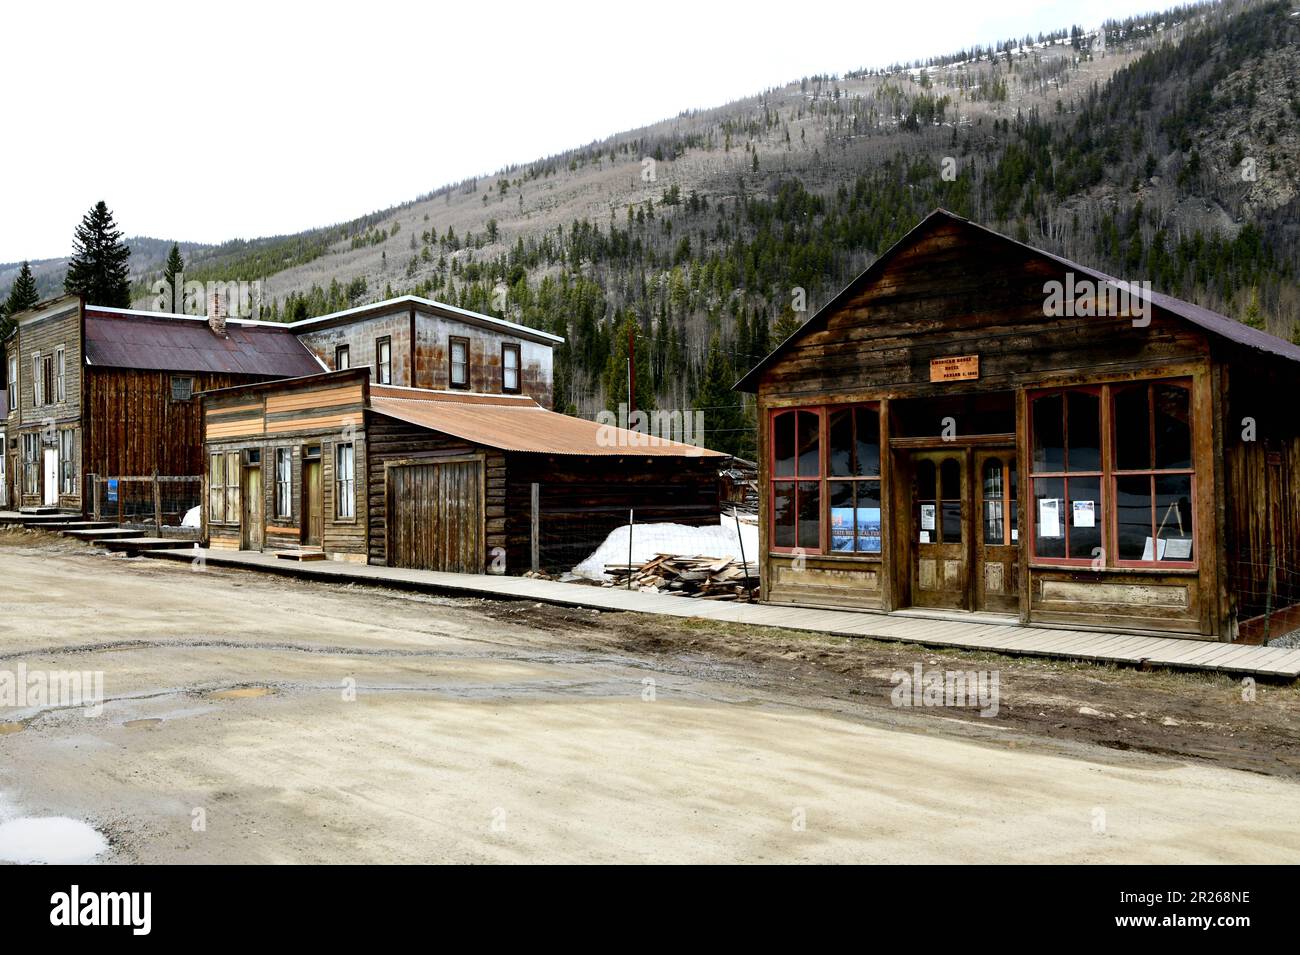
[(384, 367), (345, 487), (60, 374), (824, 479), (1108, 477), (452, 342), (342, 352), (512, 348), (190, 392), (12, 384), (67, 461), (38, 381), (284, 483), (1153, 472)]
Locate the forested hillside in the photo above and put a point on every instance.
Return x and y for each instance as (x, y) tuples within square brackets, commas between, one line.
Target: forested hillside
[(1161, 148)]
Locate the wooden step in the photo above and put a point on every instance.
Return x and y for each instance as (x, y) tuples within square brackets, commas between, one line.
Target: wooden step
[(134, 544), (64, 526), (107, 533), (300, 555)]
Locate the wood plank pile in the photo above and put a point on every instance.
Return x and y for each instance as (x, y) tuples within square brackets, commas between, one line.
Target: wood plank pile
[(709, 578)]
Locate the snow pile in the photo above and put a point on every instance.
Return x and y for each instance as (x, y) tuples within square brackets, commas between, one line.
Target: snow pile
[(191, 518), (717, 540)]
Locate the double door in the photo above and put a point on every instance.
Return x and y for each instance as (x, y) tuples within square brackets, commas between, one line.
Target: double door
[(964, 550)]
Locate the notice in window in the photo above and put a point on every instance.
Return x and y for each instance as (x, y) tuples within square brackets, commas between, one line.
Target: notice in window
[(1049, 518), (927, 518), (925, 537), (1085, 513), (1178, 548), (1150, 553)]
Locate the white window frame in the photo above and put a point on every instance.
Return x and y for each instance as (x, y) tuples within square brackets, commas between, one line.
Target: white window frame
[(345, 482), (284, 482)]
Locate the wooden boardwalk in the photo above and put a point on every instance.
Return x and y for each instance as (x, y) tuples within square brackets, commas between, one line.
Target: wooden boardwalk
[(1099, 646)]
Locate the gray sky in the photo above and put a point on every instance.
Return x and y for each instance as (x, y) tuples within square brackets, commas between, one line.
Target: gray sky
[(236, 120)]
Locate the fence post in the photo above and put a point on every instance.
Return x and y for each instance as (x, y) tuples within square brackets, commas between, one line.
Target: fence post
[(631, 524), (157, 505), (92, 480), (535, 545), (735, 512), (121, 493)]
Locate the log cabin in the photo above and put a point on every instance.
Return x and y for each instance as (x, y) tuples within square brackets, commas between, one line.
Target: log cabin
[(109, 392), (977, 428), (334, 466)]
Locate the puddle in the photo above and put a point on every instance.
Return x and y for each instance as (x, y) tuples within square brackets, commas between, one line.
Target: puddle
[(52, 840), (143, 724), (240, 693), (7, 728)]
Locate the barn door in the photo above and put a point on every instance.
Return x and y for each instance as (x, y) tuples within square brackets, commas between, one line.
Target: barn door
[(435, 516), (940, 532)]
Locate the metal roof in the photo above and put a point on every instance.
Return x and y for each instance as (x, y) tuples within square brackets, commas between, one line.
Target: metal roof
[(1220, 325), (512, 423), (164, 342)]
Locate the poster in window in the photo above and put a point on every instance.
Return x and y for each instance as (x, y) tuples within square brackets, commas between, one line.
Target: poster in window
[(1085, 513), (1049, 518), (1178, 548), (927, 517), (1148, 550), (841, 528), (867, 529)]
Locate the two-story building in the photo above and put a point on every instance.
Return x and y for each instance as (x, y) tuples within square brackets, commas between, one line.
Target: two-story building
[(417, 343), (110, 392)]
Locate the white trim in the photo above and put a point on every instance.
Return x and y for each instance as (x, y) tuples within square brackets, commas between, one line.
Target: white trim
[(475, 317), (451, 393), (148, 313)]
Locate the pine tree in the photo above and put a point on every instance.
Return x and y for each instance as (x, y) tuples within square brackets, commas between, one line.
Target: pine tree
[(22, 296), (725, 425), (172, 273), (99, 271)]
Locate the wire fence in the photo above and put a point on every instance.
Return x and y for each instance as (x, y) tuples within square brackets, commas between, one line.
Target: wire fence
[(157, 501)]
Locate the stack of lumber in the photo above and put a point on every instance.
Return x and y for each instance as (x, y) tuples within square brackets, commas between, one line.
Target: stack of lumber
[(710, 578)]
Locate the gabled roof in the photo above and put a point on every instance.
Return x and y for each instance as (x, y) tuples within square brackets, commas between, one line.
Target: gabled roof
[(1212, 322), (515, 423), (162, 341), (361, 312)]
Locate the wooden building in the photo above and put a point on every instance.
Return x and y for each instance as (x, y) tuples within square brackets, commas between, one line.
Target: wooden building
[(977, 426), (109, 392), (334, 466), (419, 343)]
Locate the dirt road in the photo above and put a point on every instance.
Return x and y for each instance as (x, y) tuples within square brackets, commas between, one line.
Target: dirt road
[(254, 719)]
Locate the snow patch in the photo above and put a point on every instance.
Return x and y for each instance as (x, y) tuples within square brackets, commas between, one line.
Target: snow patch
[(716, 540), (52, 840), (191, 518)]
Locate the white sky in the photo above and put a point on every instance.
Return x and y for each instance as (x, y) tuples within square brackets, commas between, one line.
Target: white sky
[(236, 120)]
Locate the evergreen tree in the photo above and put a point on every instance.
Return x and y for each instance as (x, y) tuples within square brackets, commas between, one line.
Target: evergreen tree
[(100, 270), (725, 426), (22, 296), (172, 273)]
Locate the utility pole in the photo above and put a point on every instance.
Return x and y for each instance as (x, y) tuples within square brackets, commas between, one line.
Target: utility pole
[(631, 369)]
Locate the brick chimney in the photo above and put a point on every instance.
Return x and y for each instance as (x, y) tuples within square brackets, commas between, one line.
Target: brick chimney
[(217, 313)]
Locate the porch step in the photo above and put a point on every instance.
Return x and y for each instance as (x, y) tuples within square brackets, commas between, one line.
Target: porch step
[(101, 534), (38, 520), (134, 545), (300, 555), (37, 511), (77, 525)]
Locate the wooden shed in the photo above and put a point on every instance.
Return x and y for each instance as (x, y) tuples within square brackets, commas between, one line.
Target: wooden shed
[(331, 465), (975, 426)]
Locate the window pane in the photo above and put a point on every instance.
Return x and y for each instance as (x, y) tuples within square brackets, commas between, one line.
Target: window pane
[(869, 517), (1174, 517), (1133, 517), (951, 522), (809, 445), (810, 510), (1049, 519), (783, 446), (783, 514), (1084, 439), (1049, 433), (1132, 429), (1085, 516), (840, 431), (950, 479), (1173, 427), (994, 491), (867, 449), (843, 516)]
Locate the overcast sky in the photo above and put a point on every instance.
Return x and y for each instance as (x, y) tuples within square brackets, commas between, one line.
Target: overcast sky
[(236, 120)]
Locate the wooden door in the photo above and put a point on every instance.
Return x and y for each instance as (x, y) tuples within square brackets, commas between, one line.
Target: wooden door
[(435, 516), (250, 520), (940, 521), (313, 518), (997, 536), (50, 486)]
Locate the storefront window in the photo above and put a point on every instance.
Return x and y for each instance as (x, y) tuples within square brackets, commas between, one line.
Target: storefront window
[(1154, 477), (1067, 473)]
